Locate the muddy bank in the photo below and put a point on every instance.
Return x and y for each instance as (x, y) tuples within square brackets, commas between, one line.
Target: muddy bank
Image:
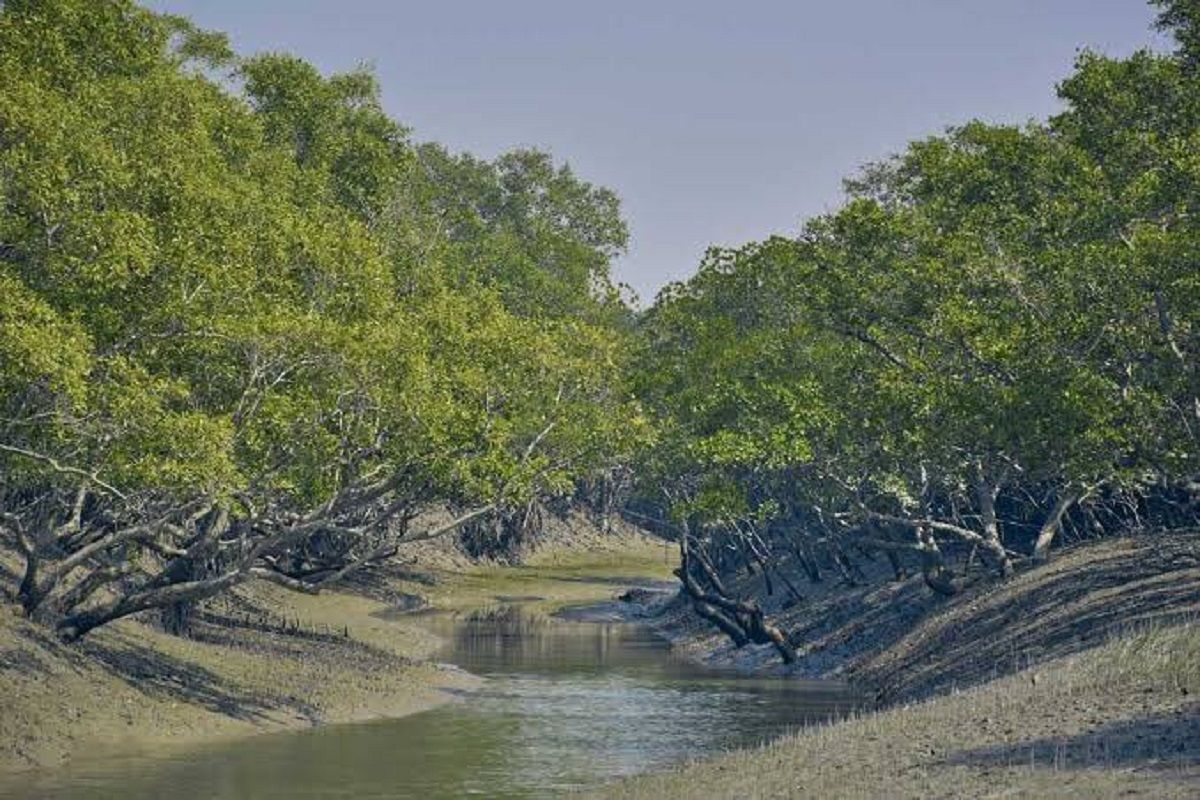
[(1074, 679), (642, 603), (268, 661), (1117, 721), (265, 659), (899, 640)]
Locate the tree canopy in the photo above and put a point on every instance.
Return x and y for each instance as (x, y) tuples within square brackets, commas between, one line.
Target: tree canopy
[(998, 332), (250, 329)]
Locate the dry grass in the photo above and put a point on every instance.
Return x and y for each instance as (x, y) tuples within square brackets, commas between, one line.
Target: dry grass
[(1166, 657)]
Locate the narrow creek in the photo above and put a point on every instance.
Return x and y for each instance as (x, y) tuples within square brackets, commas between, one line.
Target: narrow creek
[(567, 705)]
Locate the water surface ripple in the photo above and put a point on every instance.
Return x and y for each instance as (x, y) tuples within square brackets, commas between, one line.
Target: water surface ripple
[(567, 705)]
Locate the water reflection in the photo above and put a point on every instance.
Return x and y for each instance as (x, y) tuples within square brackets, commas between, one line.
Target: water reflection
[(567, 705)]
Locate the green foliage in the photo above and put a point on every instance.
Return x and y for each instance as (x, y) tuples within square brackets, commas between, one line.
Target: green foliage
[(1181, 18), (268, 292), (235, 281), (1012, 306), (533, 233)]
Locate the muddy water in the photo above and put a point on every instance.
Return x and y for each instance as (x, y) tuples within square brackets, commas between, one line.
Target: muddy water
[(567, 705)]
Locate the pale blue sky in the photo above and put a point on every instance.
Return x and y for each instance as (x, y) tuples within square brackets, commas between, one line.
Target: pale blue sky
[(716, 122)]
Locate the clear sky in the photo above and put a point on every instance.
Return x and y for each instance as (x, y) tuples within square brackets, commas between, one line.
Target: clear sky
[(717, 122)]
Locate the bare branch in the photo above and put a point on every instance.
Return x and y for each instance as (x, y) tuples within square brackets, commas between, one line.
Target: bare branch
[(65, 469)]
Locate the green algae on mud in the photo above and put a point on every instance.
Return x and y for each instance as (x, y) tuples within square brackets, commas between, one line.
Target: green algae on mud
[(550, 580)]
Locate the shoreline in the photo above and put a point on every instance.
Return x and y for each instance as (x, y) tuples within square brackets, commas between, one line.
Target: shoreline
[(348, 658), (1117, 721), (1078, 678), (897, 638), (269, 661), (133, 688)]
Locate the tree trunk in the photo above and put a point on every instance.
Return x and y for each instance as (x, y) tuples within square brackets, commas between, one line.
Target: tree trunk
[(1050, 528), (742, 621), (28, 593), (77, 625), (993, 544), (807, 562), (722, 622), (933, 567), (176, 617), (93, 581)]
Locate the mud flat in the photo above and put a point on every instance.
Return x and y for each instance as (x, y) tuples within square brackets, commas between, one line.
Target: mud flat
[(1074, 679), (265, 659)]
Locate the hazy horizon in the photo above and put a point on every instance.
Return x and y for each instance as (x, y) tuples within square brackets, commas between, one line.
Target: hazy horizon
[(715, 124)]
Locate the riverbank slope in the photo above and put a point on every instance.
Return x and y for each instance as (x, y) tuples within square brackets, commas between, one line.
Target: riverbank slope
[(1118, 721), (1077, 678), (265, 659)]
